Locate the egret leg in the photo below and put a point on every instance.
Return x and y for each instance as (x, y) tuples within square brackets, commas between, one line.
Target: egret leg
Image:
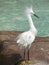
[(24, 54), (28, 60), (23, 62), (28, 55)]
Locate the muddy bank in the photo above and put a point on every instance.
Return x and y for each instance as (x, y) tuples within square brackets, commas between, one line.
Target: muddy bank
[(8, 48)]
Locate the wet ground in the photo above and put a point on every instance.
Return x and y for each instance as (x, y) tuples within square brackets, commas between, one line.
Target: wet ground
[(39, 51), (40, 63)]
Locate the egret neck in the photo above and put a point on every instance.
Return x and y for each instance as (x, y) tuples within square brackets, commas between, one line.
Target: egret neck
[(31, 24)]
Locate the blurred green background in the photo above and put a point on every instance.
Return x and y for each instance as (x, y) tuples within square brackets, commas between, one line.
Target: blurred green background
[(12, 16)]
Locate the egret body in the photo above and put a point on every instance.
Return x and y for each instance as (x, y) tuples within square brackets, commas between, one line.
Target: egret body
[(25, 39)]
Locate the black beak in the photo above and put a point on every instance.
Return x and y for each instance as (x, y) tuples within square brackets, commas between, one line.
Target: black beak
[(36, 15)]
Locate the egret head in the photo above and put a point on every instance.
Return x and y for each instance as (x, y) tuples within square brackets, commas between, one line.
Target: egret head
[(30, 11)]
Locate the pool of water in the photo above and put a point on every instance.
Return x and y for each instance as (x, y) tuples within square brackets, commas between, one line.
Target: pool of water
[(12, 16)]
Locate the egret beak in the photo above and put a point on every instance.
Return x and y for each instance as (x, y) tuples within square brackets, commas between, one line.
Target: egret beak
[(36, 15)]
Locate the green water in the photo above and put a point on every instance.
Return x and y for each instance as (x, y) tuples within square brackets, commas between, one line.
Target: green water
[(12, 16)]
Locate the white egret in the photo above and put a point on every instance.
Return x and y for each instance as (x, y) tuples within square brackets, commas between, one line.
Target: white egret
[(25, 39)]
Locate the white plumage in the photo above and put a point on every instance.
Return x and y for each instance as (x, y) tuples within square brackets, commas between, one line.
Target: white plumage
[(25, 39)]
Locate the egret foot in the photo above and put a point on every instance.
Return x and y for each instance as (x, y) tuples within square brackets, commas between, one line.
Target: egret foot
[(23, 63), (30, 62)]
